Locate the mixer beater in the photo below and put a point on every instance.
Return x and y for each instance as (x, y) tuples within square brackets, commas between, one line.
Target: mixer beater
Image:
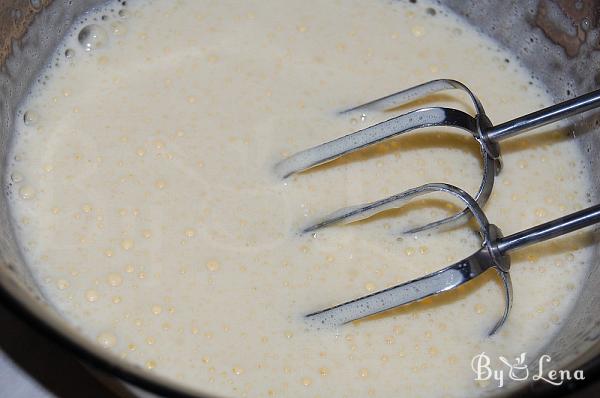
[(494, 252)]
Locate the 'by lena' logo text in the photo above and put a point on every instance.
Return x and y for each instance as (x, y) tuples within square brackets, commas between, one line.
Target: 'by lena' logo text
[(518, 370)]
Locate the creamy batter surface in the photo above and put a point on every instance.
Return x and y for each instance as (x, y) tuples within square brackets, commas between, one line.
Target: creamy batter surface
[(145, 200)]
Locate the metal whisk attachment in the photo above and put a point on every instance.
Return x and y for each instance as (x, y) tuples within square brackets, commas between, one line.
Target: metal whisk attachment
[(487, 135), (495, 248), (493, 254)]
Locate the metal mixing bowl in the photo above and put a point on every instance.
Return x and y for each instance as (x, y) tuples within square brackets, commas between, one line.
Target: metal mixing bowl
[(558, 40)]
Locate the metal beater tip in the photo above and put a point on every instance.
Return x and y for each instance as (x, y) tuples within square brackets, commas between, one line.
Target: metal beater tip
[(492, 254), (426, 286), (486, 135)]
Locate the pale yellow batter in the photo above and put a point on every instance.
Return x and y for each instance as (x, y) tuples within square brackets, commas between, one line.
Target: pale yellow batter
[(146, 203)]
